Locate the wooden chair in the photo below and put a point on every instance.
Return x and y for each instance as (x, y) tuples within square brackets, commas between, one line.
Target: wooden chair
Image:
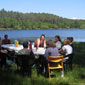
[(55, 63)]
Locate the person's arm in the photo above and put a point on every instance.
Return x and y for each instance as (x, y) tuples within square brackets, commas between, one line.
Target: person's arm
[(46, 55), (44, 43), (4, 51), (32, 55), (63, 50), (38, 43)]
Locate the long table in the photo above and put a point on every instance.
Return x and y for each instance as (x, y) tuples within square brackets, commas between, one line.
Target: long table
[(39, 51)]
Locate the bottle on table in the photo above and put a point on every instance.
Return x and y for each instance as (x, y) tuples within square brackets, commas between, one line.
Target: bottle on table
[(16, 43), (30, 46)]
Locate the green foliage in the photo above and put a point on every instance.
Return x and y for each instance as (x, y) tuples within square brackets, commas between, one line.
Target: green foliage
[(17, 20)]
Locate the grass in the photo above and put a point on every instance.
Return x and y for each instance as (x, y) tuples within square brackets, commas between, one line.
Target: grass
[(74, 77)]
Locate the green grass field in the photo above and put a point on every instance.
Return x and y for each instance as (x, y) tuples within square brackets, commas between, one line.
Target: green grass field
[(74, 77)]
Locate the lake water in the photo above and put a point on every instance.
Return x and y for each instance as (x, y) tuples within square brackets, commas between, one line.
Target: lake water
[(78, 34)]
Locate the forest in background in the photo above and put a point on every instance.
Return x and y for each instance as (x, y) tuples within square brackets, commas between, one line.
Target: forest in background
[(17, 20)]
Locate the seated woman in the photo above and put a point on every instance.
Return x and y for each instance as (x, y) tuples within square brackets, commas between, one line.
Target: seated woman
[(40, 42), (6, 40), (67, 50), (58, 41), (50, 51)]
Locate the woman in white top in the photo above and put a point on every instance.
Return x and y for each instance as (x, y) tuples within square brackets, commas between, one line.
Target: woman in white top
[(68, 54), (67, 49), (58, 41)]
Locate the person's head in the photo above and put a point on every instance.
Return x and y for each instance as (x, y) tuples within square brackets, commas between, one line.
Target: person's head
[(42, 37), (25, 44), (57, 38), (6, 36), (70, 39), (50, 43), (66, 42)]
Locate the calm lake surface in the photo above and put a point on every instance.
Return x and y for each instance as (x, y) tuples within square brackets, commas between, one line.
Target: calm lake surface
[(78, 34)]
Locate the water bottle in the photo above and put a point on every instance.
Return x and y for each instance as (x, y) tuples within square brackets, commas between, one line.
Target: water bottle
[(30, 46)]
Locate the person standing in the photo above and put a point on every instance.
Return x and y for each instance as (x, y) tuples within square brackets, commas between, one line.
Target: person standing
[(40, 42)]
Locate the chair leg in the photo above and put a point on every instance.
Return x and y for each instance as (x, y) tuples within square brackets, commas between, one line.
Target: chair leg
[(49, 74), (65, 67), (63, 72)]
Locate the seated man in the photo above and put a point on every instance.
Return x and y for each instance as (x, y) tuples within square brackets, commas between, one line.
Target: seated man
[(6, 40), (26, 69)]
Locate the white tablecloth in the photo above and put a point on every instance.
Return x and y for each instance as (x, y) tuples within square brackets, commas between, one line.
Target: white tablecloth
[(39, 51)]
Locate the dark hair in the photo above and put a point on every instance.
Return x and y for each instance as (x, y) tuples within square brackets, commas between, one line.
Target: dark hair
[(70, 38), (42, 35), (58, 37), (5, 35), (51, 43), (25, 44)]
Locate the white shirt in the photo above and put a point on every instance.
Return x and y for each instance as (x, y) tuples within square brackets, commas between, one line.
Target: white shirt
[(58, 44), (68, 49)]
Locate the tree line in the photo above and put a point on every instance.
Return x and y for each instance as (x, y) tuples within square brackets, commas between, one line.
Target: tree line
[(18, 20)]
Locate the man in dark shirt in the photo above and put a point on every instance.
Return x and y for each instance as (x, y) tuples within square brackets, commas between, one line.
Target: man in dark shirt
[(26, 56), (25, 49)]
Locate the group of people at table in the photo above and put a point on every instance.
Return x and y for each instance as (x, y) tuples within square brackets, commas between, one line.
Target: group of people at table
[(53, 48)]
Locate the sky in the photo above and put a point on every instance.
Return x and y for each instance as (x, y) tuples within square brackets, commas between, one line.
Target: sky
[(73, 9)]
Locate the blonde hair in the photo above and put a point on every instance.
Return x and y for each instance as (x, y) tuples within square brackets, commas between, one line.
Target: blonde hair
[(66, 42)]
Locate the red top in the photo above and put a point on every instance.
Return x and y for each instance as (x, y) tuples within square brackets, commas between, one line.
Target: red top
[(6, 41)]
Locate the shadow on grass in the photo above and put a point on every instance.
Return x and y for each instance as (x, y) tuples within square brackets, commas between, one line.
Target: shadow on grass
[(10, 78)]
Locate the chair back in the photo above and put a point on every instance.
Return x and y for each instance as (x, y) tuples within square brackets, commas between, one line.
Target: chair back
[(55, 62), (25, 60), (55, 58), (3, 57)]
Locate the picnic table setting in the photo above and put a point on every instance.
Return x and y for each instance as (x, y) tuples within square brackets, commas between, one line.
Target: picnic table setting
[(40, 50), (37, 54)]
